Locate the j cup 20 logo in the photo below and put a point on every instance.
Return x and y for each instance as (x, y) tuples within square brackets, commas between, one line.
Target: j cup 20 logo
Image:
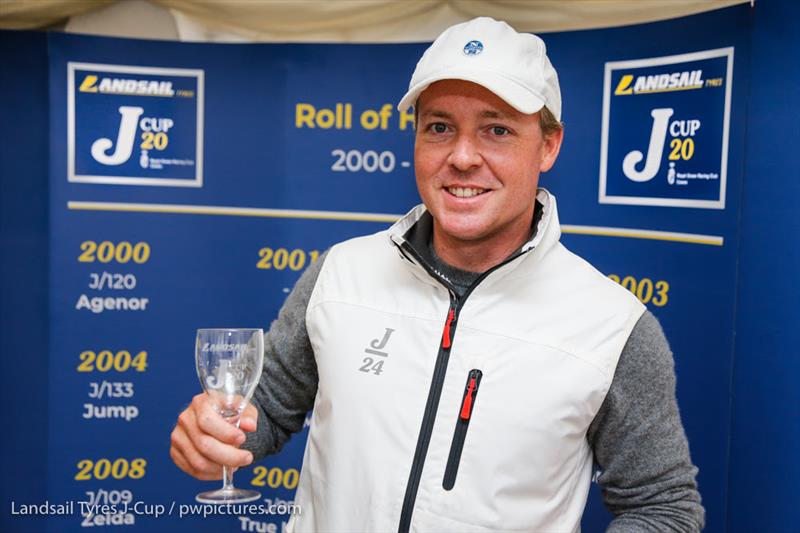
[(665, 130), (226, 376), (134, 125)]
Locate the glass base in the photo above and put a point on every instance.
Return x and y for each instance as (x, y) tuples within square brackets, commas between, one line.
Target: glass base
[(232, 495)]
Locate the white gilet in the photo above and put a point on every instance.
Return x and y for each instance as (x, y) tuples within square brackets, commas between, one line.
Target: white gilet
[(544, 330)]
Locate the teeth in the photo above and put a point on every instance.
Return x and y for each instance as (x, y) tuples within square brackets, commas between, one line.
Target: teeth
[(463, 192)]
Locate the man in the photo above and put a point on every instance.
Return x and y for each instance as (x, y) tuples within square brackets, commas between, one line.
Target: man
[(464, 368)]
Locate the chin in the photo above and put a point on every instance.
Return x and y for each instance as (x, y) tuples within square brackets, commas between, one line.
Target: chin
[(464, 232)]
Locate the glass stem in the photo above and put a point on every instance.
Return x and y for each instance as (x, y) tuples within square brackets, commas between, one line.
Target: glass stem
[(227, 478), (227, 472)]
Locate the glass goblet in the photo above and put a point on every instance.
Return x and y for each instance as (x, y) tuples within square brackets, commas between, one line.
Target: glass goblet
[(229, 365)]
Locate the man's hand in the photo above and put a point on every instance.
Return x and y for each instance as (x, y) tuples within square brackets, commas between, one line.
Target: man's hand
[(203, 441)]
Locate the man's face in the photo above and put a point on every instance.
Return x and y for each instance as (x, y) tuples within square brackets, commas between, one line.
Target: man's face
[(477, 162)]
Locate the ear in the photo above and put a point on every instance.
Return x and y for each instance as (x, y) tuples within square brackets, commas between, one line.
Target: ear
[(551, 146)]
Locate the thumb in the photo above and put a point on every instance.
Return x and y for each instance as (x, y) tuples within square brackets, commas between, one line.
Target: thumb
[(249, 420)]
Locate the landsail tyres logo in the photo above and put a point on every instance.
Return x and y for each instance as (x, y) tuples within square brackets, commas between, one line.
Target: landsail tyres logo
[(131, 125), (665, 130)]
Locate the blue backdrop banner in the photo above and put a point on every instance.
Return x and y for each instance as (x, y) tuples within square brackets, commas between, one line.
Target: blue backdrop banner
[(191, 184)]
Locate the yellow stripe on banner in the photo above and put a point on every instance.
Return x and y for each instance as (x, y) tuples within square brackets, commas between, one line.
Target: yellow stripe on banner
[(600, 231), (231, 211), (631, 233)]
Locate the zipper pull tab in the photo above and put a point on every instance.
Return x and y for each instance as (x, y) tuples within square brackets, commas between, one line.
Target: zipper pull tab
[(446, 334), (466, 407)]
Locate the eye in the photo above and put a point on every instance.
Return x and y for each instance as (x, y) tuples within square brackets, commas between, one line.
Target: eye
[(438, 127), (500, 130)]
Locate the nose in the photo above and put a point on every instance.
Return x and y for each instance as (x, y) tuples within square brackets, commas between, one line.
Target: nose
[(465, 155)]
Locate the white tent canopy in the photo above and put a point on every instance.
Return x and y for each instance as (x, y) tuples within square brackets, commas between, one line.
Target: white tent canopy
[(328, 20)]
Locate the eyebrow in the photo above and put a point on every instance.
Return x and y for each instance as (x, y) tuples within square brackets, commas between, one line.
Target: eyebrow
[(496, 114), (484, 114), (437, 114)]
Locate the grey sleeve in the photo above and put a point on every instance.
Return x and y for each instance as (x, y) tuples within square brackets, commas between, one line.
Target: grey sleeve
[(647, 477), (288, 384)]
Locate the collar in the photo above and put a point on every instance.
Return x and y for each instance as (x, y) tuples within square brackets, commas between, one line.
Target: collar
[(416, 226)]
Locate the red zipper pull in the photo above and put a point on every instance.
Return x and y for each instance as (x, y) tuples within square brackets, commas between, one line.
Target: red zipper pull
[(466, 407), (446, 334)]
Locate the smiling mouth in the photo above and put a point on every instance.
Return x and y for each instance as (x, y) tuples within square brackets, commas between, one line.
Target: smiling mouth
[(465, 192)]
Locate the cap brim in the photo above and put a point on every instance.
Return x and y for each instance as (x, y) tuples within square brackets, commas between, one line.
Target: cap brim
[(509, 90)]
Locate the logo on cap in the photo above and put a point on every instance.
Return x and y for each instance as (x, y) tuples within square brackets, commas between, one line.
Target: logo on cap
[(473, 48)]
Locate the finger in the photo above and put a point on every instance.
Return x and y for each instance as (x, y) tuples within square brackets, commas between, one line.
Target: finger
[(188, 423), (181, 462), (221, 453), (197, 464), (249, 420), (179, 459), (211, 423)]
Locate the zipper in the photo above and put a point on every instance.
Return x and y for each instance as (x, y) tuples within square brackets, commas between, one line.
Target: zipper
[(437, 380), (462, 424), (446, 337), (428, 418)]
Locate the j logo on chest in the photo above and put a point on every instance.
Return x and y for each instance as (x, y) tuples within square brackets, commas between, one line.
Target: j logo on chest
[(376, 348)]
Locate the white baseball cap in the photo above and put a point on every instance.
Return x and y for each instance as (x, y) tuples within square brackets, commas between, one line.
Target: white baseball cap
[(490, 53)]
